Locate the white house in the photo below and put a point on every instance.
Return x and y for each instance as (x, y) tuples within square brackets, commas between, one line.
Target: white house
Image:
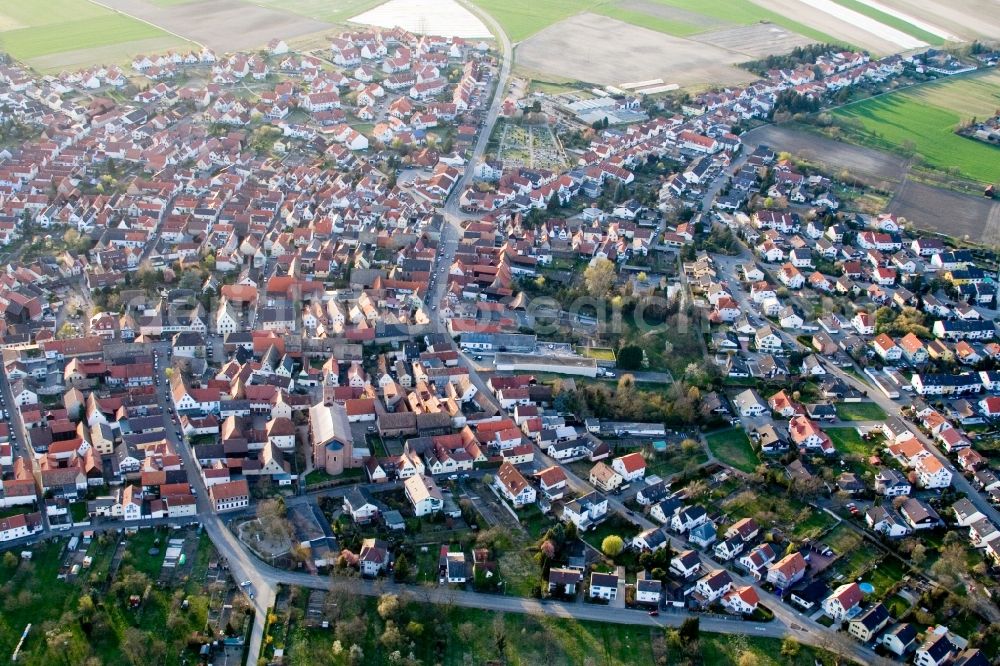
[(632, 466), (603, 586), (423, 494), (511, 484), (839, 605)]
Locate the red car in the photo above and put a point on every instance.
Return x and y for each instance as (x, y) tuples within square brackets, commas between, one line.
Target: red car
[(654, 613)]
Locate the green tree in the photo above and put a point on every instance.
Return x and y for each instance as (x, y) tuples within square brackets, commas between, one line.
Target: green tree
[(690, 630), (613, 545), (402, 570), (599, 278), (630, 357)]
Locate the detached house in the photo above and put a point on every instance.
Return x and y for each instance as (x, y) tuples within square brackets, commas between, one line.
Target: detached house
[(511, 484), (632, 466), (841, 605), (603, 586), (787, 571)]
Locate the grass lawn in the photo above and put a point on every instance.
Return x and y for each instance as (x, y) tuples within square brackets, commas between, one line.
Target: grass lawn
[(848, 442), (887, 573), (897, 606), (892, 21), (674, 462), (614, 524), (817, 523), (732, 447), (36, 29), (842, 539), (859, 411), (534, 522), (923, 121), (78, 510)]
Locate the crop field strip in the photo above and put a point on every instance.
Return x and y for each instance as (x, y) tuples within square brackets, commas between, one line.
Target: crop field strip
[(39, 32)]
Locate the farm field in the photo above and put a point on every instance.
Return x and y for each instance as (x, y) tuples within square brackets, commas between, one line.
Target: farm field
[(926, 206), (438, 17), (247, 26), (960, 215), (578, 48), (896, 22), (330, 11), (522, 18), (58, 34), (726, 32), (922, 122), (966, 18), (682, 18), (732, 447), (840, 24)]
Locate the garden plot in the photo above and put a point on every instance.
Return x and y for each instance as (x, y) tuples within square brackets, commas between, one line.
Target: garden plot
[(530, 146)]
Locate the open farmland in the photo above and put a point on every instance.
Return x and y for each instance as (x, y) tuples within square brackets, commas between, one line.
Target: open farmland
[(680, 18), (953, 213), (581, 47), (872, 38), (922, 121), (522, 18), (927, 207), (755, 41), (330, 11), (438, 17), (222, 25), (869, 164), (966, 18), (58, 34), (898, 20)]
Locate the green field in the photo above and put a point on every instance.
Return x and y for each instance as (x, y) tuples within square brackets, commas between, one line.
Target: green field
[(732, 447), (522, 18), (31, 31), (859, 411), (332, 11), (922, 122), (892, 21), (848, 441), (745, 12)]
